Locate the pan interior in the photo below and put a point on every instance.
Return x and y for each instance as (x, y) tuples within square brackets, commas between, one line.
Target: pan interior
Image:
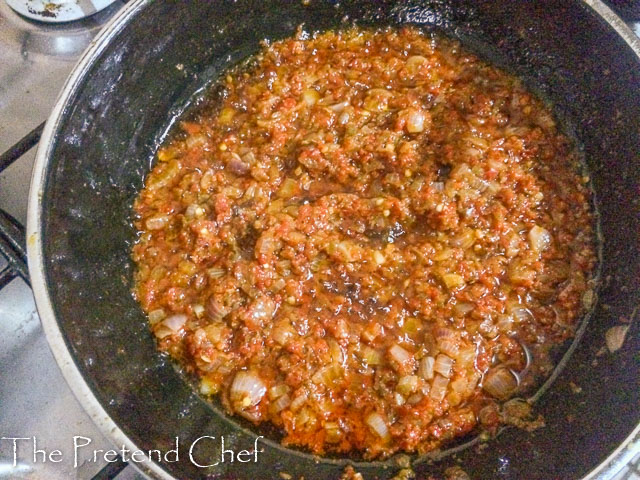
[(145, 78)]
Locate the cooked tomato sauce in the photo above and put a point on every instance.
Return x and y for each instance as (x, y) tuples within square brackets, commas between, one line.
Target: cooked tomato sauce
[(371, 239)]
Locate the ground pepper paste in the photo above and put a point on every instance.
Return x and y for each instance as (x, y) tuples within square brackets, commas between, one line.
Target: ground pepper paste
[(370, 239)]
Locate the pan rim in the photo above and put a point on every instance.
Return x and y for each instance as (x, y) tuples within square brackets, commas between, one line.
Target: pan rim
[(627, 449)]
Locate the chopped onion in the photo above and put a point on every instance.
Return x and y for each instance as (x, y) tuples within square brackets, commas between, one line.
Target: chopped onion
[(521, 314), (333, 434), (175, 322), (247, 390), (208, 387), (426, 368), (310, 97), (157, 223), (500, 383), (466, 356), (156, 315), (299, 401), (403, 358), (339, 107), (198, 310), (408, 384), (539, 239), (282, 333), (615, 337), (378, 426), (459, 385), (371, 356), (453, 280), (327, 375), (438, 388), (281, 403), (278, 390), (443, 365), (415, 121)]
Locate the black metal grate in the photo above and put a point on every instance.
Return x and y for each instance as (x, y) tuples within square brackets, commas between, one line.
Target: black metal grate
[(13, 249)]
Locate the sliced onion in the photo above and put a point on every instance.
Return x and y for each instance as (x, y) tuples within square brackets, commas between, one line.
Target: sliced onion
[(443, 365), (426, 368), (539, 239), (438, 388), (378, 425), (500, 383), (615, 337), (247, 390), (175, 322)]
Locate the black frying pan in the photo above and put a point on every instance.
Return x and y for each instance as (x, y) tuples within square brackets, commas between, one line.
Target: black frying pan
[(144, 70)]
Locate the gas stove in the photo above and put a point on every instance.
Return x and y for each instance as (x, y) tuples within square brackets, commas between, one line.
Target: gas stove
[(37, 407)]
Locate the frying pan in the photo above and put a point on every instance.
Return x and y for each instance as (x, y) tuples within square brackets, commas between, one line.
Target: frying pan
[(155, 58)]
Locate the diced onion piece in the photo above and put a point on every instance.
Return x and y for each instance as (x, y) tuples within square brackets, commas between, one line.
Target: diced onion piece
[(209, 387), (299, 401), (327, 375), (162, 332), (459, 385), (443, 365), (378, 426), (521, 314), (500, 383), (539, 239), (281, 403), (615, 337), (333, 433), (198, 310), (463, 308), (157, 223), (403, 358), (426, 368), (156, 315), (277, 391), (371, 356), (453, 280), (310, 97), (175, 322), (466, 356), (414, 62), (339, 107), (282, 334), (377, 100), (336, 352), (247, 390), (438, 388), (408, 384), (415, 121)]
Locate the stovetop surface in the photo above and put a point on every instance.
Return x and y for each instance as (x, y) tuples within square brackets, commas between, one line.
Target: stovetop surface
[(35, 401)]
